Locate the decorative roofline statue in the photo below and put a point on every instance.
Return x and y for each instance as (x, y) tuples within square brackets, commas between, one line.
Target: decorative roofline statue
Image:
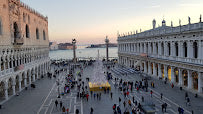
[(171, 23), (200, 19), (189, 20)]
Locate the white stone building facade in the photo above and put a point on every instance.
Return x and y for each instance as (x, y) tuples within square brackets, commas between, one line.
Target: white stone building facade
[(24, 47), (175, 53)]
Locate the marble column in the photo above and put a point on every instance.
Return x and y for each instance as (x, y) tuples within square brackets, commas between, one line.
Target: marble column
[(20, 88), (154, 48), (200, 82), (159, 70), (6, 90), (180, 77), (159, 48), (180, 49), (190, 83), (173, 49), (30, 81), (172, 74), (154, 69), (165, 71), (14, 89), (149, 68), (189, 49), (25, 82), (145, 67), (199, 49)]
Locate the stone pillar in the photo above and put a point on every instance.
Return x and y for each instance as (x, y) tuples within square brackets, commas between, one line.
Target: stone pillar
[(141, 67), (180, 49), (13, 87), (165, 49), (30, 81), (165, 72), (159, 70), (16, 64), (159, 48), (173, 49), (172, 74), (33, 76), (4, 65), (12, 63), (25, 82), (189, 49), (6, 90), (180, 77), (199, 49), (154, 48), (145, 67), (200, 82), (20, 88), (149, 68), (8, 62), (154, 69), (190, 83)]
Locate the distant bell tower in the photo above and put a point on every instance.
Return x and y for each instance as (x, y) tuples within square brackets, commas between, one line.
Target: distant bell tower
[(154, 24)]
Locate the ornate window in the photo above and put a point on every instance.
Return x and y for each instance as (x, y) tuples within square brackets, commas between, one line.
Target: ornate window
[(27, 31), (44, 35), (16, 30), (176, 48), (195, 49), (185, 49), (37, 33)]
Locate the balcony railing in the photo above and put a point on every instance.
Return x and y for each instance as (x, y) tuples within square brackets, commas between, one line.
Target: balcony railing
[(18, 41), (173, 58)]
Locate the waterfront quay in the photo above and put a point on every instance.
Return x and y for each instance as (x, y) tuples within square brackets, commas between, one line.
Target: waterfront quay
[(41, 100)]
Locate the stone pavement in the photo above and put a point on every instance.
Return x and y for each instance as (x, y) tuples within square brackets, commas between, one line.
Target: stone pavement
[(41, 99), (174, 97)]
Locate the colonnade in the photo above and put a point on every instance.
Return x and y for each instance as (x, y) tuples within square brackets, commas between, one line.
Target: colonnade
[(17, 81), (183, 77)]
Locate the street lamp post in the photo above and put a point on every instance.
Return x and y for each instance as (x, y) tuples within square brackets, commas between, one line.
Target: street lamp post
[(107, 48), (74, 54)]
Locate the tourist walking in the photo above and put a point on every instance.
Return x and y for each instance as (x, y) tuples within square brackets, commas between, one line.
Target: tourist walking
[(61, 104), (56, 103), (119, 100), (151, 92), (77, 111), (91, 110), (165, 106), (63, 109), (124, 103), (161, 95), (186, 95)]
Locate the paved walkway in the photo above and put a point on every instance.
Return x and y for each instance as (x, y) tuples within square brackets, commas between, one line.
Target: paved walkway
[(174, 97)]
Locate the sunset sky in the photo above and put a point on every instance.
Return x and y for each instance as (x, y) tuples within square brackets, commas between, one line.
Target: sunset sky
[(89, 21)]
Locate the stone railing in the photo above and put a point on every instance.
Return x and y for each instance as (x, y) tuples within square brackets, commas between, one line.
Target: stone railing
[(164, 30), (26, 66), (173, 58)]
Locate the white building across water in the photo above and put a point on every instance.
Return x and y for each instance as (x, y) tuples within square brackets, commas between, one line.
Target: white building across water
[(175, 53), (24, 47)]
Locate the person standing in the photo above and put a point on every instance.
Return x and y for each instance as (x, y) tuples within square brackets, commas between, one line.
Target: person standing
[(119, 100), (111, 95), (165, 106), (61, 104), (151, 92), (161, 95), (124, 104), (91, 110), (56, 103), (77, 111)]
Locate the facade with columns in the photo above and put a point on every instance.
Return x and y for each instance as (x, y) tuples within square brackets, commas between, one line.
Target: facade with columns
[(24, 47), (175, 53)]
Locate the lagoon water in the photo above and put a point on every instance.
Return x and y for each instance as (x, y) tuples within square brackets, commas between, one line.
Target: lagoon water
[(83, 52)]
